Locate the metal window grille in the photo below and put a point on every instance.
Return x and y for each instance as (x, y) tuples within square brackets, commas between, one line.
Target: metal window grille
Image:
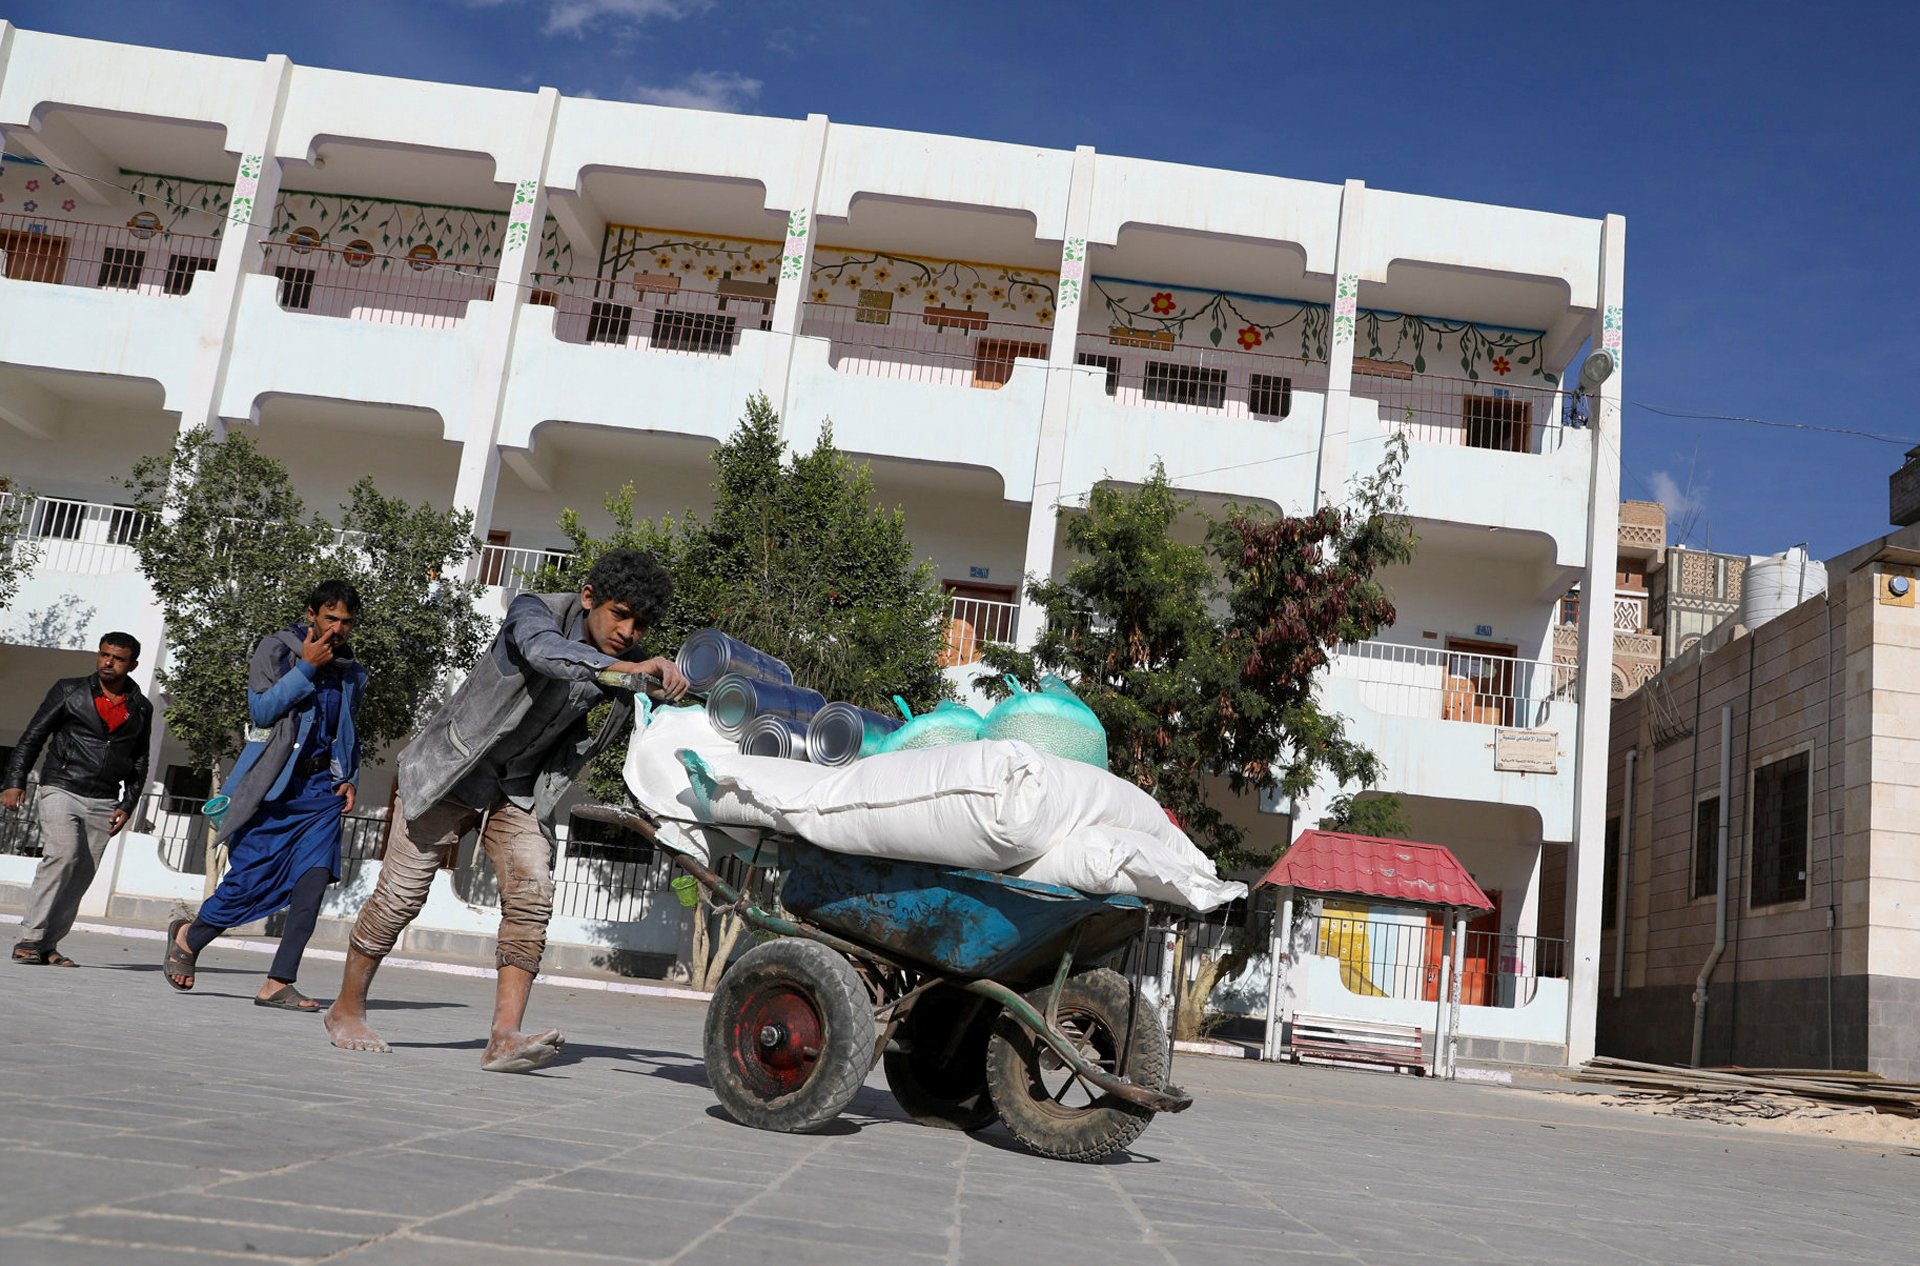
[(679, 331), (1269, 395), (296, 288), (1780, 792), (609, 322), (120, 268), (1111, 364), (181, 270), (1498, 422), (1168, 382)]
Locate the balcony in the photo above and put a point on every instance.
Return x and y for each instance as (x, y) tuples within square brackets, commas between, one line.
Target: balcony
[(949, 347), (78, 538), (1147, 369), (139, 257), (359, 283), (1509, 417), (973, 623), (1643, 530), (1418, 681), (655, 313), (508, 569)]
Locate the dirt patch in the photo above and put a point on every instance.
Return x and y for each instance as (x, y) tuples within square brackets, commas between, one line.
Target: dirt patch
[(1782, 1113)]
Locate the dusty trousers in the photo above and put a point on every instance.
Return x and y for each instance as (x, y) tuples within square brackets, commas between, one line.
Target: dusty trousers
[(522, 861)]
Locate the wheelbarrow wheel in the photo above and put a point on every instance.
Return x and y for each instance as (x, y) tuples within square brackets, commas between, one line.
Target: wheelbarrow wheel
[(789, 1036), (939, 1074), (1049, 1108)]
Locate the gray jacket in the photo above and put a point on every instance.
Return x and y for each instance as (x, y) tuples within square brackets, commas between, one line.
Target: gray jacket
[(538, 648)]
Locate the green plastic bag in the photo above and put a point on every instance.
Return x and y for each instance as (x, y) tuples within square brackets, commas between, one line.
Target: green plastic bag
[(950, 722), (1053, 718)]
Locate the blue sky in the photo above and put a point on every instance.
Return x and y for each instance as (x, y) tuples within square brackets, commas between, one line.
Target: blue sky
[(1763, 154)]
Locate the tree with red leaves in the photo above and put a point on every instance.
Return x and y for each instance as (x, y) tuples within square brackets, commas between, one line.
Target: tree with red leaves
[(1200, 659)]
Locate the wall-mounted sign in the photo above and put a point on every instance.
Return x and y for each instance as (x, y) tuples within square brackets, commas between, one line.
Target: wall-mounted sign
[(1526, 751), (976, 573), (1483, 630)]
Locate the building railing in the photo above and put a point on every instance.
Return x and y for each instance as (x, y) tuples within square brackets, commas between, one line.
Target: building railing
[(955, 347), (139, 257), (513, 569), (85, 538), (1388, 958), (1146, 369), (1419, 681), (1629, 610), (360, 283), (1507, 416), (653, 313), (976, 622)]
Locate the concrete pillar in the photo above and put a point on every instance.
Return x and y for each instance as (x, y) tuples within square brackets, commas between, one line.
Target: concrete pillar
[(796, 266), (1051, 453), (1586, 863), (1331, 480), (479, 475), (256, 187)]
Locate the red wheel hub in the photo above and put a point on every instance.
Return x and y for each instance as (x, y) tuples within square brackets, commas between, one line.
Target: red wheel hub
[(777, 1036)]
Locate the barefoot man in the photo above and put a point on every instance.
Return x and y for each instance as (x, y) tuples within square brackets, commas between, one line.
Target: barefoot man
[(499, 755)]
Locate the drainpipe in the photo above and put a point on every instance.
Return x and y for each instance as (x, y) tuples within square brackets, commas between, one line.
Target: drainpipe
[(1720, 888), (1622, 869)]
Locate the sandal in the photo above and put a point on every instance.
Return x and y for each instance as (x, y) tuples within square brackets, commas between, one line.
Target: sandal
[(54, 958), (28, 954), (287, 998), (178, 962)]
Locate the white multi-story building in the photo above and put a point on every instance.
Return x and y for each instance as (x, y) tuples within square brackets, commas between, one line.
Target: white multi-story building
[(516, 301)]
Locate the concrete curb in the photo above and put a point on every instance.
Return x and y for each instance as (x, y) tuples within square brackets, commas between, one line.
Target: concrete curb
[(413, 964)]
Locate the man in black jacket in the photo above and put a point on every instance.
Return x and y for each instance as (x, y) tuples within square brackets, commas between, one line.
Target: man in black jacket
[(96, 731)]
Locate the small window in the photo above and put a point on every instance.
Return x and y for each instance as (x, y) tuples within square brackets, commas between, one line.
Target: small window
[(1706, 847), (544, 299), (876, 307), (125, 526), (609, 322), (1169, 383), (1570, 606), (993, 360), (33, 256), (1109, 363), (1780, 804), (1269, 395), (120, 268), (186, 788), (181, 270), (710, 332), (1610, 878), (296, 288), (1498, 422), (58, 520)]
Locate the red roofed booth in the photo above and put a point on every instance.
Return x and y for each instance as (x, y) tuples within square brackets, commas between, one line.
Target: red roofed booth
[(1334, 863)]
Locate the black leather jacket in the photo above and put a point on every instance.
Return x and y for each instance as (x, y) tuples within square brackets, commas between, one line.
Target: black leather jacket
[(83, 757)]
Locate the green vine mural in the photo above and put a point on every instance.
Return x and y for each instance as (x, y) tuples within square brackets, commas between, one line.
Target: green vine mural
[(1499, 352), (631, 250), (1269, 324), (1029, 292), (173, 199)]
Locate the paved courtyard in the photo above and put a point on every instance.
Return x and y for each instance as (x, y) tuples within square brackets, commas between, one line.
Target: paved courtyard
[(140, 1126)]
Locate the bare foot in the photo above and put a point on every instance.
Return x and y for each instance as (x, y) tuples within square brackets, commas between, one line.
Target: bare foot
[(350, 1033), (182, 980), (521, 1052)]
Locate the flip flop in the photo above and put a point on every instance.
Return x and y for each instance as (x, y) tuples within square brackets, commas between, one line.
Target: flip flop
[(29, 956), (287, 998), (177, 962)]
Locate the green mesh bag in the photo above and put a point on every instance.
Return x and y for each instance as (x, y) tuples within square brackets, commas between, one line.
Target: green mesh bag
[(950, 722), (1052, 718)]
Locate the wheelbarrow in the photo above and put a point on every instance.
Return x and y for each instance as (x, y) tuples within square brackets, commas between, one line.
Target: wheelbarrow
[(982, 995)]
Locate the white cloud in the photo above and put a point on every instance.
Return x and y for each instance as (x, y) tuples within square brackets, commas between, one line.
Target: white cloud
[(576, 17), (701, 90)]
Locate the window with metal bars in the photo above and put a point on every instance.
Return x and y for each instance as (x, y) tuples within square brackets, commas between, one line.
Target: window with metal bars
[(181, 270), (1498, 422), (296, 288), (1171, 383), (1780, 827), (609, 322), (120, 268), (1269, 395), (1111, 364), (1706, 847), (675, 331)]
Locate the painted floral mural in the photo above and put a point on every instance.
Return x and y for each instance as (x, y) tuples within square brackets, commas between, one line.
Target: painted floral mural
[(1017, 295)]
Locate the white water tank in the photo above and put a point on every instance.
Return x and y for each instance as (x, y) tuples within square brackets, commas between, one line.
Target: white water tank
[(1777, 583)]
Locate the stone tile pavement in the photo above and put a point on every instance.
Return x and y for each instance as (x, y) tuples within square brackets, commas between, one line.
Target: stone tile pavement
[(137, 1125)]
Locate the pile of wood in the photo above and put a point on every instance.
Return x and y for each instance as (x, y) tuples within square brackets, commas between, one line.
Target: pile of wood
[(1813, 1087)]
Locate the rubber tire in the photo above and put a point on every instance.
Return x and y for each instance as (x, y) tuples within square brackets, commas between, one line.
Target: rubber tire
[(950, 1096), (1060, 1131), (806, 975)]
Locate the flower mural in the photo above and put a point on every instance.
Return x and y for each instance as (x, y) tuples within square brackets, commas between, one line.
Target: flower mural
[(938, 283), (632, 249), (66, 204), (1250, 337), (1501, 366), (1163, 304), (821, 294)]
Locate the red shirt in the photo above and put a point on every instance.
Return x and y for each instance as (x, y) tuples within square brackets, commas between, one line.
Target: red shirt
[(112, 709)]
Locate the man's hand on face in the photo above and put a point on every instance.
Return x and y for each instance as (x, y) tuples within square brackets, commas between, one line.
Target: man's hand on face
[(673, 682), (118, 820), (13, 797), (317, 650)]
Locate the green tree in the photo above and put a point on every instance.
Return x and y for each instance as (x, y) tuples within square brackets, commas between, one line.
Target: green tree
[(1200, 659), (231, 556), (1380, 815), (17, 557)]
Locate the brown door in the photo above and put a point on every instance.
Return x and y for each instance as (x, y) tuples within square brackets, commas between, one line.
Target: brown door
[(1479, 958), (1480, 682), (993, 360), (34, 256), (970, 623), (493, 564)]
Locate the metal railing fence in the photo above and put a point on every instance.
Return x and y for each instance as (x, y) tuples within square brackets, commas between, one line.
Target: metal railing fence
[(1420, 681)]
